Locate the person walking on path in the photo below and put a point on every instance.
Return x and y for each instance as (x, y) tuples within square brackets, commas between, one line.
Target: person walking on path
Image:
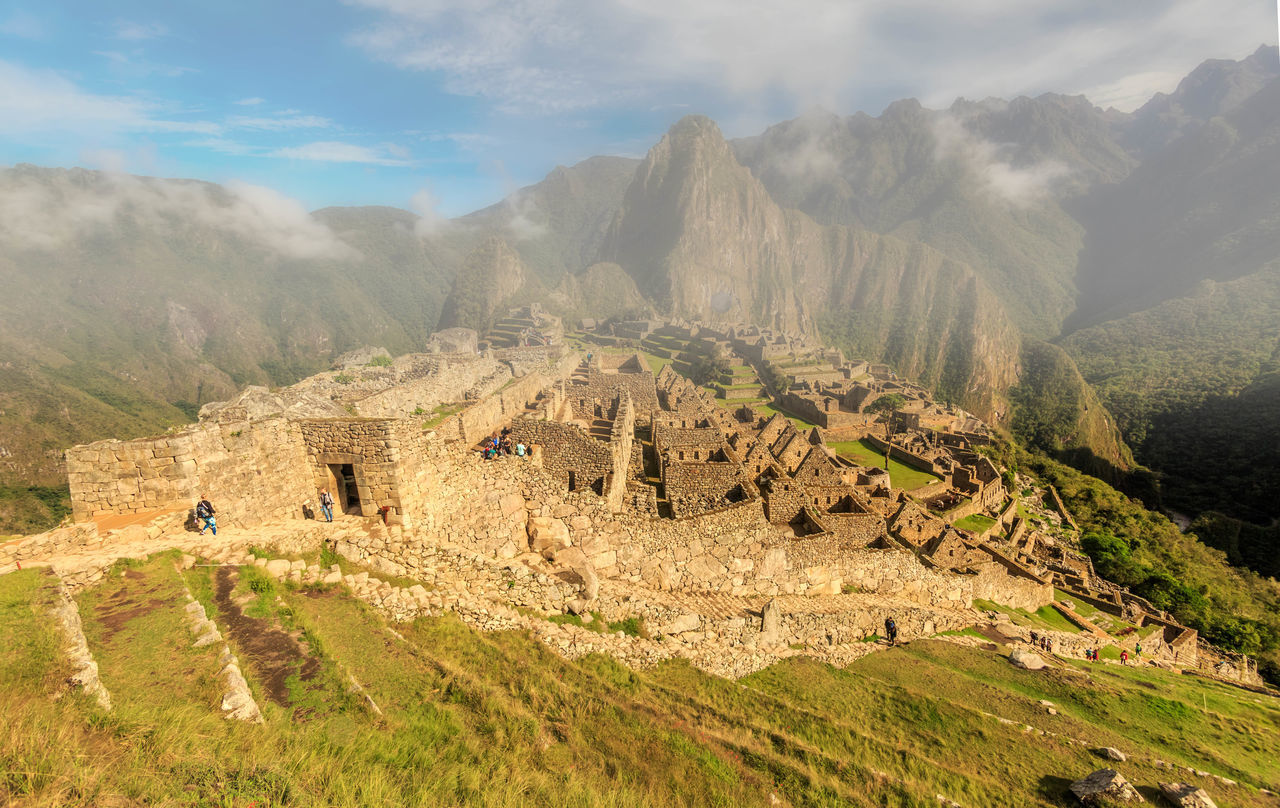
[(1124, 657), (206, 513), (326, 505), (891, 630), (1137, 652)]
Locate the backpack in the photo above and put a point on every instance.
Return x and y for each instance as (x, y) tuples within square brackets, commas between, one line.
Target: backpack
[(203, 511)]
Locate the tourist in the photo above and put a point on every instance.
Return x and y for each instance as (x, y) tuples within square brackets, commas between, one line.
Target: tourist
[(891, 630), (521, 451), (326, 505), (205, 512), (1137, 652), (1124, 657)]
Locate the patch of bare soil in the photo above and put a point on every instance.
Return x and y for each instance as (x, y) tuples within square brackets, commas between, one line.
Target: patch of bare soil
[(132, 600), (272, 653)]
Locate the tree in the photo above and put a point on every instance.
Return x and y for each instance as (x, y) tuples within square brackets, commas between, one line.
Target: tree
[(709, 367), (887, 403)]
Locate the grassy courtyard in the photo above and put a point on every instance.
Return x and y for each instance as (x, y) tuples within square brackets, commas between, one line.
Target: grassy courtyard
[(902, 476)]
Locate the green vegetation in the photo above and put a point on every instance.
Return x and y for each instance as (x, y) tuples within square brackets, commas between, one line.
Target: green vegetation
[(442, 412), (900, 475), (344, 378), (887, 403), (33, 508), (498, 720), (379, 361), (1046, 617), (708, 367), (1230, 607), (978, 523)]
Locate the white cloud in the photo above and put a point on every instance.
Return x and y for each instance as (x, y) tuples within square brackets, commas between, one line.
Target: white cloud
[(137, 31), (331, 151), (36, 102), (1021, 185), (279, 124), (552, 56), (46, 209), (251, 102), (430, 220)]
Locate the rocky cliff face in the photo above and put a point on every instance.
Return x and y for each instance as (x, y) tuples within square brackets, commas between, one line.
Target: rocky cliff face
[(703, 237), (490, 277)]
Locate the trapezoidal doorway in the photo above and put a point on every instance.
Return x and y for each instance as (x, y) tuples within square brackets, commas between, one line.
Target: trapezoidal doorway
[(348, 490)]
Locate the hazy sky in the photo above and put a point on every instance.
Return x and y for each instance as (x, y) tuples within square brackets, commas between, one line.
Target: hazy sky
[(455, 102)]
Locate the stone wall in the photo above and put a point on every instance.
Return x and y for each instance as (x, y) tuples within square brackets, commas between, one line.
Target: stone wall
[(371, 447), (572, 457), (698, 486), (251, 471), (453, 380)]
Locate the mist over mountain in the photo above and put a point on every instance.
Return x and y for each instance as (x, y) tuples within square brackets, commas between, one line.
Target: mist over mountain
[(1071, 273)]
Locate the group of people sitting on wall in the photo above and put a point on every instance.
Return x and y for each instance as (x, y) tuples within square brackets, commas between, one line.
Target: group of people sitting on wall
[(498, 446)]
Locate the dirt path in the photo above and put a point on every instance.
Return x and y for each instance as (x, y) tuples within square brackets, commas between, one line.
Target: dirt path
[(273, 654)]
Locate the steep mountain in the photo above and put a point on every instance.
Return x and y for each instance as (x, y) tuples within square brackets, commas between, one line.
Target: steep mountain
[(602, 290), (1214, 88), (1204, 208), (558, 224), (980, 182), (703, 238), (490, 277)]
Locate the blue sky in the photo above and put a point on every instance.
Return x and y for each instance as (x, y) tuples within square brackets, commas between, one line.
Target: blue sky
[(451, 104)]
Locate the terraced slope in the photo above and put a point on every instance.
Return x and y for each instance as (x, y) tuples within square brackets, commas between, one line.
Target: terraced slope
[(497, 719)]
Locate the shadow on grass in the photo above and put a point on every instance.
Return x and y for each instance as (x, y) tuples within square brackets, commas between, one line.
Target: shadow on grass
[(1056, 790)]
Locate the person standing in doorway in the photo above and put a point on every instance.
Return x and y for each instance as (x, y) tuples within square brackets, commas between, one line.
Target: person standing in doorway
[(326, 505), (206, 513)]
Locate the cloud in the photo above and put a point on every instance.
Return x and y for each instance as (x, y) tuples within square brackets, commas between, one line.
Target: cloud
[(138, 31), (430, 220), (553, 56), (1129, 93), (1020, 186), (36, 102), (279, 124), (46, 209), (251, 102), (332, 151)]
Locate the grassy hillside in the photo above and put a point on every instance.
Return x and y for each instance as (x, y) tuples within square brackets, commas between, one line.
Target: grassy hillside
[(1142, 549), (496, 719)]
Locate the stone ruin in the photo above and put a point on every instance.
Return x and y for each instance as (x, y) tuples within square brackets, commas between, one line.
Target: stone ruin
[(640, 486)]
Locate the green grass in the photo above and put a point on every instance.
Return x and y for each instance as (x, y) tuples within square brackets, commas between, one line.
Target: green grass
[(900, 475), (978, 522), (442, 412), (1046, 617), (498, 720)]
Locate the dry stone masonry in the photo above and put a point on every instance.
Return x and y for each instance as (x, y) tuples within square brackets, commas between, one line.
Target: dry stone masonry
[(733, 536)]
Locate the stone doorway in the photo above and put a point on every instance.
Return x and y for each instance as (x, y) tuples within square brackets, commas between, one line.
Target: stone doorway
[(347, 489)]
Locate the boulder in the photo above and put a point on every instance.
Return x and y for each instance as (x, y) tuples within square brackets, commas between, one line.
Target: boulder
[(1103, 785), (1111, 753), (277, 567), (1026, 660), (546, 535), (1185, 795)]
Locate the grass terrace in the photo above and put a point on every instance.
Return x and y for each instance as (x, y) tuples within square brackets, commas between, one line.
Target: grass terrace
[(978, 523), (900, 475), (496, 719)]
